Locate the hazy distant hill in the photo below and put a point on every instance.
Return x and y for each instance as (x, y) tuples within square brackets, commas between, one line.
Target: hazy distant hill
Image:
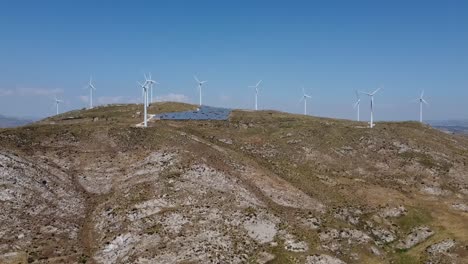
[(451, 126), (6, 121)]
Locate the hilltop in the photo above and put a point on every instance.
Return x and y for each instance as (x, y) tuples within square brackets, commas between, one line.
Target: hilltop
[(262, 187)]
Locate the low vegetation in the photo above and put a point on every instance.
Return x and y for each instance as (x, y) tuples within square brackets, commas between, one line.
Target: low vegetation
[(89, 186)]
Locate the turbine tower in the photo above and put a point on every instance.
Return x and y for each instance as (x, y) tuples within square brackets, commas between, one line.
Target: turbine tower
[(304, 98), (200, 84), (57, 102), (150, 82), (371, 95), (144, 86), (357, 105), (91, 88), (257, 89), (421, 102)]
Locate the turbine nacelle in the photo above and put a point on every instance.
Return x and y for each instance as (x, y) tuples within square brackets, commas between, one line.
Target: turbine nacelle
[(149, 80), (257, 88), (421, 98), (200, 83), (304, 95), (371, 94), (90, 83)]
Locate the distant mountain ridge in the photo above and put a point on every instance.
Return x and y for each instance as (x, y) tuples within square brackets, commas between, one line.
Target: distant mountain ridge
[(6, 121), (451, 126)]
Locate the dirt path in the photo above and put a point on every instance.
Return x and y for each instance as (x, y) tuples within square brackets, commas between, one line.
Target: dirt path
[(270, 185)]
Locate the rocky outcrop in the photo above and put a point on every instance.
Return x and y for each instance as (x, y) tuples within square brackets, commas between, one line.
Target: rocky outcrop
[(323, 259), (416, 236)]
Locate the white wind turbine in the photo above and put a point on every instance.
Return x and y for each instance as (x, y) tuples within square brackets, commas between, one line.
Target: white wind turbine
[(421, 102), (357, 105), (151, 82), (371, 95), (144, 86), (91, 88), (257, 89), (57, 102), (200, 84), (304, 98)]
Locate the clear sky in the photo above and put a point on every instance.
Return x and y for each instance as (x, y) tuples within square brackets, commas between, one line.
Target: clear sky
[(330, 47)]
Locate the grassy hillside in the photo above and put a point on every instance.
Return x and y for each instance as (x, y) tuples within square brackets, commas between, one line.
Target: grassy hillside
[(263, 187)]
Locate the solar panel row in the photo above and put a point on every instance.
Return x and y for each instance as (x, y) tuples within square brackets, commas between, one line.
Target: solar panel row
[(204, 113)]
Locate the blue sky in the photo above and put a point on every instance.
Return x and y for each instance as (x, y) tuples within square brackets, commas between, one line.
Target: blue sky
[(330, 47)]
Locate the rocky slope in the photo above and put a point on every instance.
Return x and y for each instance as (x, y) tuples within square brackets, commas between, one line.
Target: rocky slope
[(262, 187)]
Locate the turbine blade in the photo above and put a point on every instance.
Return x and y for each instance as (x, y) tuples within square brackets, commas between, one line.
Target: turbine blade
[(422, 93), (374, 92), (259, 82), (424, 101), (355, 105), (202, 82), (196, 79)]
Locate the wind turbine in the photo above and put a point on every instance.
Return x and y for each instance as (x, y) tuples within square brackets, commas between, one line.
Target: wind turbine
[(151, 82), (257, 89), (200, 84), (357, 104), (421, 102), (57, 102), (91, 88), (304, 98), (371, 95), (144, 86)]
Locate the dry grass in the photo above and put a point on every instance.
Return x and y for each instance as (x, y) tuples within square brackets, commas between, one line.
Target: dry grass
[(340, 163)]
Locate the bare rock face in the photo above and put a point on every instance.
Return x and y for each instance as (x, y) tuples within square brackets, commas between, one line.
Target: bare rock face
[(350, 235), (323, 259), (311, 222), (441, 247), (443, 252), (225, 141), (291, 243), (350, 215), (416, 236), (393, 212), (384, 235), (40, 205), (460, 207), (341, 240), (260, 229), (177, 219)]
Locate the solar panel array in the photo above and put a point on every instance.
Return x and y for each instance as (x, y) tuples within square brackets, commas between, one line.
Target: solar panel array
[(203, 113)]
